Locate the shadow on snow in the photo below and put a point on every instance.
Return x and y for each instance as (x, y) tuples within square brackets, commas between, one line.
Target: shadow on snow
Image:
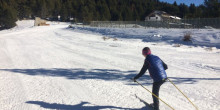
[(80, 106), (100, 74)]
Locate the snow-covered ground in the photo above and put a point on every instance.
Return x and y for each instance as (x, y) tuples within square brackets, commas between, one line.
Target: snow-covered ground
[(55, 67), (200, 37)]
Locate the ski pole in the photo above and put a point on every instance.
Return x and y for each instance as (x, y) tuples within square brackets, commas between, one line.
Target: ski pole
[(183, 94), (155, 95)]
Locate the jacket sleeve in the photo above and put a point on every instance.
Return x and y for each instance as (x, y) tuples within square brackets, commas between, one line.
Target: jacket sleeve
[(143, 70), (165, 65)]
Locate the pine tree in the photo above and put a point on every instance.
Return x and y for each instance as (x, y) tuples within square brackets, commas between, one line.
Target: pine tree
[(174, 3), (50, 7), (24, 10), (8, 16), (43, 9), (64, 13), (103, 9), (212, 8), (184, 10), (115, 15), (192, 11), (56, 11)]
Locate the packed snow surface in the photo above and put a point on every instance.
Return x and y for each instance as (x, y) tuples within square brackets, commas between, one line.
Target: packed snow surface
[(55, 67)]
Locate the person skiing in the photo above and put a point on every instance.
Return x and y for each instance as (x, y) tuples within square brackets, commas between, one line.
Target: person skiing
[(156, 68)]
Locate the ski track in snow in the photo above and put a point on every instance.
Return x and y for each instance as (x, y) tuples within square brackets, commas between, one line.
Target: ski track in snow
[(56, 67)]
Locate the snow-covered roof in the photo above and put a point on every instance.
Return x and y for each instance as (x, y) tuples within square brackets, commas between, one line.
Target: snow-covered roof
[(175, 17), (163, 14)]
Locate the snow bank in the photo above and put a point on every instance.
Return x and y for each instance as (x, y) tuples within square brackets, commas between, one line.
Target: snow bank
[(24, 24)]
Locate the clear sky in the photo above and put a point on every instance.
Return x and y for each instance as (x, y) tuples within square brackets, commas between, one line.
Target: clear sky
[(187, 2)]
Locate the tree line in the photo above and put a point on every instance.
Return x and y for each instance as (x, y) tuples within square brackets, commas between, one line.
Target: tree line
[(99, 10)]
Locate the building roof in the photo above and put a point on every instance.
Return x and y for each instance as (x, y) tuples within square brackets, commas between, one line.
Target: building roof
[(162, 14), (175, 17)]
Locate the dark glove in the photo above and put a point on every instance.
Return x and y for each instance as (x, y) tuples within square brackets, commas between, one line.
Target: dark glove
[(133, 79)]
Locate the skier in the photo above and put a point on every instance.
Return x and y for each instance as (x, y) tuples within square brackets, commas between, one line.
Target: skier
[(157, 72)]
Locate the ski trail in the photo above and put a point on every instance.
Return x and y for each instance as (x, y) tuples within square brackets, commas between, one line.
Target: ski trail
[(9, 91)]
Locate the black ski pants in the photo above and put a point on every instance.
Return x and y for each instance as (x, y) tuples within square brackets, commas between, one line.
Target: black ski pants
[(155, 90)]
